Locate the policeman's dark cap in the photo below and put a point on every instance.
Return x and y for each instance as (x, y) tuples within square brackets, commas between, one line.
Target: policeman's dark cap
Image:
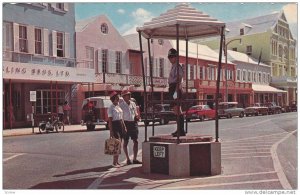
[(172, 53)]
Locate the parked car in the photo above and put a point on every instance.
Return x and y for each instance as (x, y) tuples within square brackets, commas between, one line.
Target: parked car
[(273, 108), (162, 114), (200, 112), (256, 109), (230, 109), (293, 106)]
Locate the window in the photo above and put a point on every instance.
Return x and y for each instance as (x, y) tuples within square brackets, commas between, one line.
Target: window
[(249, 76), (104, 60), (211, 73), (254, 76), (60, 6), (89, 57), (259, 77), (238, 75), (160, 41), (104, 28), (241, 31), (285, 52), (202, 73), (60, 44), (38, 40), (161, 67), (280, 51), (191, 72), (244, 75), (118, 61), (249, 49), (234, 49), (23, 42), (46, 102)]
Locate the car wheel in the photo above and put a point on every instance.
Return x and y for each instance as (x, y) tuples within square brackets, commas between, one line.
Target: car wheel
[(229, 115), (241, 115), (146, 123), (201, 118), (90, 127), (256, 113), (162, 121)]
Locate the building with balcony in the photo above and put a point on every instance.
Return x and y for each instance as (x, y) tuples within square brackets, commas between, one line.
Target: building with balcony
[(259, 74), (38, 56), (269, 39)]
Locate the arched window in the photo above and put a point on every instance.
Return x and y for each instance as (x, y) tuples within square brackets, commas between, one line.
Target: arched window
[(104, 28)]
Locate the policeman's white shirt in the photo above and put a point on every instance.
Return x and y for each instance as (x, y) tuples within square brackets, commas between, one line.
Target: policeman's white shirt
[(115, 112), (173, 74), (129, 111)]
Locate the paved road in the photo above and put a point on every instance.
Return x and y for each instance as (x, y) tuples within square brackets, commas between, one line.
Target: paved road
[(257, 153)]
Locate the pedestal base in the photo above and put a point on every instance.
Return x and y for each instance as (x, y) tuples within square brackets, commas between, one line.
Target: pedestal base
[(198, 155)]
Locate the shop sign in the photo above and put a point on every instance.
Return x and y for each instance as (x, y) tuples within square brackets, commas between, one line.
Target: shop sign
[(159, 151), (33, 96), (29, 71)]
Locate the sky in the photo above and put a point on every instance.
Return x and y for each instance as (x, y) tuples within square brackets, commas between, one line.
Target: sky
[(126, 16)]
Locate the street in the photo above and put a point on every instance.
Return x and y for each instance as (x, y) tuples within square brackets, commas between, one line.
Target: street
[(257, 153)]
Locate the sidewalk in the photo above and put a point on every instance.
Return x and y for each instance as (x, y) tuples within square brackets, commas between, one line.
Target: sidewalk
[(28, 131)]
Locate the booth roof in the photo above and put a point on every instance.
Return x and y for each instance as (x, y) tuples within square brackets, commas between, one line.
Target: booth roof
[(192, 24)]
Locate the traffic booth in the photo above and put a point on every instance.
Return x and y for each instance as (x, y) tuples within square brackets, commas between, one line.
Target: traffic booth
[(191, 154)]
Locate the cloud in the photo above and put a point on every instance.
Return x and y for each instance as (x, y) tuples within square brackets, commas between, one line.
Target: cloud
[(291, 12), (139, 17), (121, 11)]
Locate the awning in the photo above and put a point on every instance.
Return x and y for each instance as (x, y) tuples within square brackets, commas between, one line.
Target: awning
[(266, 89)]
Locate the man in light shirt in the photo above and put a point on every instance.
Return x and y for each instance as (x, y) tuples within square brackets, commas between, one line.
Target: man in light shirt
[(130, 116), (175, 89)]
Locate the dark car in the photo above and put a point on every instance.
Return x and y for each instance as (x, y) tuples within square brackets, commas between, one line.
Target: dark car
[(273, 108), (200, 112), (162, 114), (256, 109)]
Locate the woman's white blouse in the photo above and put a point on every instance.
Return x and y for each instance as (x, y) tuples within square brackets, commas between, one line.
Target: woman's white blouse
[(115, 112)]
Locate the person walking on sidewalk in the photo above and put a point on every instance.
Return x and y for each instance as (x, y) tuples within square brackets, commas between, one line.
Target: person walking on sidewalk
[(175, 88), (131, 117), (115, 122)]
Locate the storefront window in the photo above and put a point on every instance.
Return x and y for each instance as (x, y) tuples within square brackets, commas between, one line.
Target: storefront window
[(46, 102)]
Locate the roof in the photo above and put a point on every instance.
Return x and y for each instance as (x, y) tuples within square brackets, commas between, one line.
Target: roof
[(133, 41), (204, 52), (255, 25), (266, 88), (192, 24), (82, 24), (242, 57)]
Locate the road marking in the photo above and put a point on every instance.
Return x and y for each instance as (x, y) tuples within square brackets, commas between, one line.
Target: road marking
[(12, 157), (256, 146), (219, 184), (248, 153), (96, 183), (241, 157), (277, 165), (261, 136)]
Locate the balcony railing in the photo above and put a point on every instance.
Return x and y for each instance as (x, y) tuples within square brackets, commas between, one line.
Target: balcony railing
[(230, 84), (19, 57)]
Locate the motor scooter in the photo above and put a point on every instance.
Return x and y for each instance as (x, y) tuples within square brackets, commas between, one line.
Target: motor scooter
[(52, 124)]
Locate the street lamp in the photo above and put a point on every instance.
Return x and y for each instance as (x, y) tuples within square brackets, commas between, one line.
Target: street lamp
[(225, 54)]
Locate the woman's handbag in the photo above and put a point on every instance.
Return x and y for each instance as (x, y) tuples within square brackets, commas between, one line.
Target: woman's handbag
[(112, 146)]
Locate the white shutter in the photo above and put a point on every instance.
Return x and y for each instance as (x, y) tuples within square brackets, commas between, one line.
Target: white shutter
[(189, 72), (100, 70), (16, 37), (125, 66), (66, 7), (67, 45), (156, 68), (166, 68), (45, 42), (31, 39), (54, 43)]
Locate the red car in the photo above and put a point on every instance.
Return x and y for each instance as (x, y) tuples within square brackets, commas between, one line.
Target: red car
[(200, 112)]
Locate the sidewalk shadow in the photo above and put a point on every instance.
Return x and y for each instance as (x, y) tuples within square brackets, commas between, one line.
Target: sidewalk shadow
[(132, 177), (65, 184), (96, 169)]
